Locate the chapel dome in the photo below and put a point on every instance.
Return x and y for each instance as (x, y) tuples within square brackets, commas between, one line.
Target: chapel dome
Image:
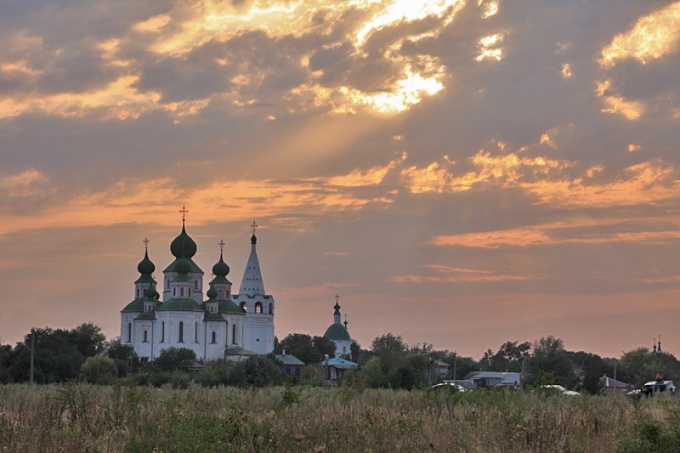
[(146, 266), (183, 245), (221, 269)]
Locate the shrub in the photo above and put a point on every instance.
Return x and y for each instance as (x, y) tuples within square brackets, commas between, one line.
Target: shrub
[(100, 370)]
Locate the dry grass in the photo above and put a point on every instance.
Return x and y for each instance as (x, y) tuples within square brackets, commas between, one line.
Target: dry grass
[(81, 418)]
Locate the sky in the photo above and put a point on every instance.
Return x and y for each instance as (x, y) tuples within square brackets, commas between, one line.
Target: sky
[(460, 172)]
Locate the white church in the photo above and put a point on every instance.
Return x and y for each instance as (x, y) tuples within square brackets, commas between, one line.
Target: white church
[(225, 325)]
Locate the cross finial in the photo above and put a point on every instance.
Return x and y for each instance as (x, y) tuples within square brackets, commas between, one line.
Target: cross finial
[(254, 226), (337, 298), (146, 244), (345, 323), (221, 243), (184, 212)]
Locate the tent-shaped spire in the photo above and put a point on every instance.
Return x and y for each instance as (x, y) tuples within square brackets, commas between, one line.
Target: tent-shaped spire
[(252, 277)]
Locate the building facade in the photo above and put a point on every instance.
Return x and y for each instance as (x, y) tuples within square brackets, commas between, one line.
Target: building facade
[(215, 326)]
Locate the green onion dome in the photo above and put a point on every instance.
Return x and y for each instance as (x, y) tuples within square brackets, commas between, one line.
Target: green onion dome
[(146, 266), (212, 293), (220, 269), (183, 266), (183, 245), (151, 293)]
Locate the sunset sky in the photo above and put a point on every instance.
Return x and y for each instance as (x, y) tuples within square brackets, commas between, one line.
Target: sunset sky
[(460, 172)]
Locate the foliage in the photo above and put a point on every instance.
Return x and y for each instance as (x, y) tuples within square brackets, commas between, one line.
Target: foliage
[(640, 365), (510, 357), (127, 361), (100, 369), (78, 417), (174, 359), (306, 348), (550, 363)]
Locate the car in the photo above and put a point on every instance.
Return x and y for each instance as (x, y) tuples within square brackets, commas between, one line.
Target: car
[(450, 386), (653, 388), (560, 389)]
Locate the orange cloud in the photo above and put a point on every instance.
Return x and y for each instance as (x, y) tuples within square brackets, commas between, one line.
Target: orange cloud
[(448, 274)]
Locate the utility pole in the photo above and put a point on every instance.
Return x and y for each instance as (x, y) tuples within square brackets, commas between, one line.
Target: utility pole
[(32, 354)]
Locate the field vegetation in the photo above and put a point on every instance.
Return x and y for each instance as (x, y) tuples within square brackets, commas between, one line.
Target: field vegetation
[(132, 418)]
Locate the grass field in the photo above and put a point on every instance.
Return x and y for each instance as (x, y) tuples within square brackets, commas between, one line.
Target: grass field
[(82, 418)]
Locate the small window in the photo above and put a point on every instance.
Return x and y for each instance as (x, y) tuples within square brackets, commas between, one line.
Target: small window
[(228, 293), (221, 294), (189, 292), (181, 292), (129, 332), (181, 332), (174, 291), (146, 336), (233, 334), (162, 331), (196, 285), (213, 338), (195, 332), (258, 307), (271, 308)]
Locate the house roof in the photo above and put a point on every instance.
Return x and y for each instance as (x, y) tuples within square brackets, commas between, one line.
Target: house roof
[(508, 377), (289, 359), (610, 382), (337, 362)]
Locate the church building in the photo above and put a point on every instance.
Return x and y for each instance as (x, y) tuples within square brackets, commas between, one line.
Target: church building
[(338, 333), (217, 326)]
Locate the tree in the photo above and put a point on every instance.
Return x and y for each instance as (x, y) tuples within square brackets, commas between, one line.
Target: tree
[(88, 339), (388, 344), (125, 357), (100, 369), (258, 371), (590, 367), (641, 365), (550, 364), (174, 359), (304, 347)]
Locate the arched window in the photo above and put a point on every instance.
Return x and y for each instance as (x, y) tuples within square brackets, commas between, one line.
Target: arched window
[(258, 307), (174, 291), (221, 294), (213, 338), (181, 332), (162, 331), (271, 308), (196, 285), (181, 292), (129, 332), (233, 334), (146, 336), (189, 292), (244, 307), (195, 332)]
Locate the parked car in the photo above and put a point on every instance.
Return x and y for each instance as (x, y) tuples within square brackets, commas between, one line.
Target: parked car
[(560, 389), (653, 388), (449, 386)]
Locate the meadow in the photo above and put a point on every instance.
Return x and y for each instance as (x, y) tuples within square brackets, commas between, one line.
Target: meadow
[(120, 418)]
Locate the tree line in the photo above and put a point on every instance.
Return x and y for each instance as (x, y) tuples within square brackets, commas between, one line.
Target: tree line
[(83, 353)]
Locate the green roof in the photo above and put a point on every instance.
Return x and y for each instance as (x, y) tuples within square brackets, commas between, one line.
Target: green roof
[(145, 278), (194, 266), (136, 306), (337, 332), (146, 316), (179, 304), (240, 351), (222, 280), (225, 306), (213, 317), (289, 359)]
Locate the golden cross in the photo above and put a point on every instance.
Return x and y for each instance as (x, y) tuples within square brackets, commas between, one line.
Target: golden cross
[(146, 243), (221, 246), (254, 226), (183, 211)]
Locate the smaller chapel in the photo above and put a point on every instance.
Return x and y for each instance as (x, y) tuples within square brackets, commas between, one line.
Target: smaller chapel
[(219, 325), (338, 333)]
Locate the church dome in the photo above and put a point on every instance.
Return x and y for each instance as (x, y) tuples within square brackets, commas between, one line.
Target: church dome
[(212, 293), (337, 332), (151, 293), (146, 266), (183, 266), (220, 269), (183, 245)]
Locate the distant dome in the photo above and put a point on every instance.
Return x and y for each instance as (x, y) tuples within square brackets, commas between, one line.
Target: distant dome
[(220, 269), (212, 293), (183, 245), (151, 293), (146, 266), (183, 266)]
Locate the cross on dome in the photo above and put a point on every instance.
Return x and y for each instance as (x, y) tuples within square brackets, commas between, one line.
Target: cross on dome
[(254, 226), (221, 244), (184, 212), (146, 243)]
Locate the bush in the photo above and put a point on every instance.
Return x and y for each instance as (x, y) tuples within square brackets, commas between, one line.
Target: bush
[(100, 370)]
